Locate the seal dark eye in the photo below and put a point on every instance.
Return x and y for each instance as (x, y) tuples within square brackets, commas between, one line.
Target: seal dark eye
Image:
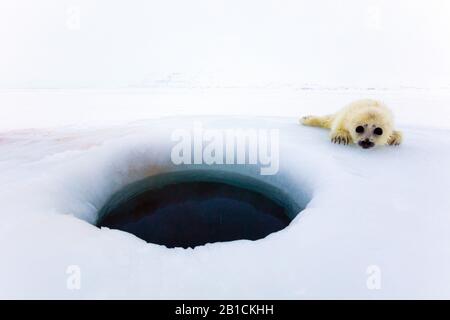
[(378, 131), (360, 129)]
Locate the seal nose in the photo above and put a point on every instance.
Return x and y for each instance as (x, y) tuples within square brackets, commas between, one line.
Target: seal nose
[(366, 144)]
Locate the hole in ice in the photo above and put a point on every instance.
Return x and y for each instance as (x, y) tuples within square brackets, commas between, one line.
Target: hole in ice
[(192, 208)]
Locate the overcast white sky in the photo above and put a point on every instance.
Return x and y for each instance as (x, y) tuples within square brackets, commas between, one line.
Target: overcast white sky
[(118, 43)]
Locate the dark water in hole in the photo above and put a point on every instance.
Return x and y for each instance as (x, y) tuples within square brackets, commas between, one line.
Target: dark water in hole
[(187, 210)]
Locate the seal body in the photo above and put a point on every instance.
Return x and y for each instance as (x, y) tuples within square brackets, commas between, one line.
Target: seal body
[(367, 123)]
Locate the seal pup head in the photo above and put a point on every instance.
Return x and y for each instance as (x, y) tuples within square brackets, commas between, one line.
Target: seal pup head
[(371, 126)]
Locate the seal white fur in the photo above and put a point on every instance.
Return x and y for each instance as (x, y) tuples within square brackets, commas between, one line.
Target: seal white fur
[(368, 114)]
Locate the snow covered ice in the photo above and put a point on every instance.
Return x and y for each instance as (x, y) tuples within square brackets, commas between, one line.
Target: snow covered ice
[(92, 90), (385, 209)]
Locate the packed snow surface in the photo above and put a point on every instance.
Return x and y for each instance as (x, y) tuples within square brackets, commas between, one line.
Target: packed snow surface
[(383, 212)]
